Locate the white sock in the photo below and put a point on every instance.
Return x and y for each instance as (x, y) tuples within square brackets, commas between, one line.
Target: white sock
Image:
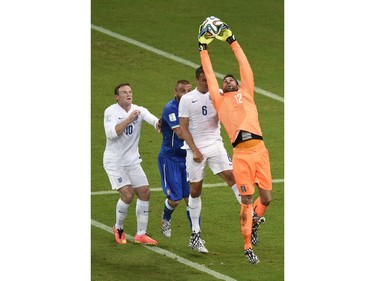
[(121, 213), (141, 210), (236, 193), (169, 207), (195, 205)]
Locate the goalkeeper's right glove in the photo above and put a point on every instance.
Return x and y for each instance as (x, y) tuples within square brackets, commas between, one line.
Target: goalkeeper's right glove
[(226, 34), (203, 39)]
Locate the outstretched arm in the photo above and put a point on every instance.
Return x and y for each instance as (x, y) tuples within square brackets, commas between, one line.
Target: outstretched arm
[(151, 119), (246, 73), (213, 85)]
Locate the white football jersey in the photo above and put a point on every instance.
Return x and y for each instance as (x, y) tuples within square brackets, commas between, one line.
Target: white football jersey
[(204, 124), (122, 150)]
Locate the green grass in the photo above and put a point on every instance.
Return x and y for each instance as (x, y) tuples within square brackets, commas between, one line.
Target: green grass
[(171, 26), (220, 226)]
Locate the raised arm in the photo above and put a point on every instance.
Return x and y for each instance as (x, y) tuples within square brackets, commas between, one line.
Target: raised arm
[(213, 85), (246, 73)]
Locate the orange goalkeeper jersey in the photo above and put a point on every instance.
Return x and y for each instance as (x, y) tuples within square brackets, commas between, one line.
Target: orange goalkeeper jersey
[(237, 110)]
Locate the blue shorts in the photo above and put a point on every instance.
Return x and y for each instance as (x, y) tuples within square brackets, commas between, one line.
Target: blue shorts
[(173, 178)]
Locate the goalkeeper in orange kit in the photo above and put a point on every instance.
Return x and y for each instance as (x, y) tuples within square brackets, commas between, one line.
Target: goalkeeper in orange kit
[(238, 113)]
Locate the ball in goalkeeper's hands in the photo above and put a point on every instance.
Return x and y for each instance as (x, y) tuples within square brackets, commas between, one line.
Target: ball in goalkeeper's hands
[(212, 26)]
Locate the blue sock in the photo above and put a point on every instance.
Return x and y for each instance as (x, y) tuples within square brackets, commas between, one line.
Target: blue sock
[(188, 215)]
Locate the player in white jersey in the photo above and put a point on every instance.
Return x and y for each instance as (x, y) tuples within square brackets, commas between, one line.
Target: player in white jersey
[(121, 161), (200, 126)]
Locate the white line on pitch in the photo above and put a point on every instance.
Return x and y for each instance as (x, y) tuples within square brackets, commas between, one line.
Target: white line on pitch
[(173, 57), (206, 185), (170, 255)]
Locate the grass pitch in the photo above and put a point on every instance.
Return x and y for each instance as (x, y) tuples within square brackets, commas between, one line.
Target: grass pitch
[(171, 26)]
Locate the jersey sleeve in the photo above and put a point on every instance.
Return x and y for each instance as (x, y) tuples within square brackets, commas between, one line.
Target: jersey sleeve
[(149, 117), (110, 124), (246, 73), (170, 115), (213, 85)]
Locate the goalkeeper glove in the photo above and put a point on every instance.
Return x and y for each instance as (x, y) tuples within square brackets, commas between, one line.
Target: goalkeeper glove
[(203, 39), (226, 34)]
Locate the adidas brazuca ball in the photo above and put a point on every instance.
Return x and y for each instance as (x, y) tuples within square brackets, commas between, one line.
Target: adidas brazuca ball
[(213, 25)]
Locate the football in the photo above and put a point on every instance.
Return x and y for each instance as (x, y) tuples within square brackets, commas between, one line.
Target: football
[(213, 26)]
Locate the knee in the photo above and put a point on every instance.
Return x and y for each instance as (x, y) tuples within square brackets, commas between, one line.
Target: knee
[(246, 199), (266, 200), (126, 195), (195, 189), (228, 176), (144, 193), (173, 204), (231, 180), (127, 198), (195, 193)]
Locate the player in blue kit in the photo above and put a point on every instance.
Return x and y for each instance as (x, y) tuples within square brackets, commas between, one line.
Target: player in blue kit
[(171, 159)]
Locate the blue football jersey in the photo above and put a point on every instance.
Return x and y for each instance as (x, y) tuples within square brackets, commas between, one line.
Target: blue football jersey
[(171, 144)]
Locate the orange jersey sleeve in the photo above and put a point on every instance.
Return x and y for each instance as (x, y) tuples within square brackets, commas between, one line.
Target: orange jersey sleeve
[(236, 110), (213, 86)]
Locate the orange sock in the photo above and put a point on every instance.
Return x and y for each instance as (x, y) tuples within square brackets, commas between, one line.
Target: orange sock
[(259, 208), (246, 220)]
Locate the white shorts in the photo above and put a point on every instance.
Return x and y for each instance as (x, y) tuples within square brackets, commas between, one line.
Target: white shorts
[(214, 155), (129, 175)]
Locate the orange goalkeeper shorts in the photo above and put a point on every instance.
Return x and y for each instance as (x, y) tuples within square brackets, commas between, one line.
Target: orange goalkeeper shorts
[(251, 165)]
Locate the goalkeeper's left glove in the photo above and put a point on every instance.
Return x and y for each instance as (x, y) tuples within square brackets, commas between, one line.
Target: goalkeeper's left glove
[(203, 39), (226, 34)]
